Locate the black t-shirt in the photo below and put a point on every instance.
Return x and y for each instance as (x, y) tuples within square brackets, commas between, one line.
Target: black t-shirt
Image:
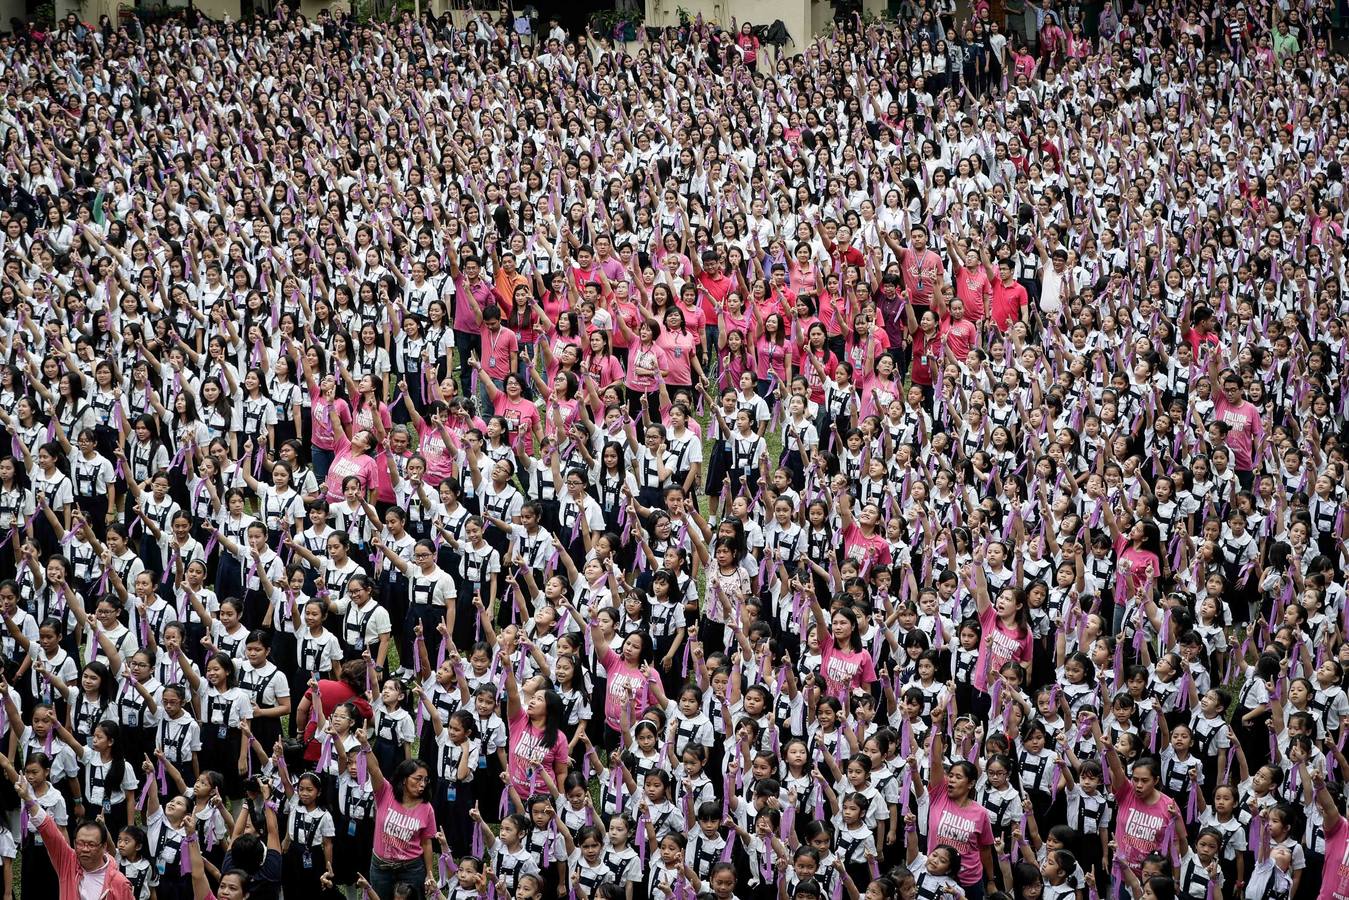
[(265, 883)]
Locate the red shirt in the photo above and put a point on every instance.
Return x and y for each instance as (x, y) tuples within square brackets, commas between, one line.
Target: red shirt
[(627, 311), (832, 314), (750, 44), (1007, 302), (926, 354), (334, 694), (1198, 340), (847, 256), (802, 365), (717, 287)]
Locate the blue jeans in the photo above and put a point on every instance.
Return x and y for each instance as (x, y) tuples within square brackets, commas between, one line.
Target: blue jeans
[(383, 880), (485, 408), (323, 459)]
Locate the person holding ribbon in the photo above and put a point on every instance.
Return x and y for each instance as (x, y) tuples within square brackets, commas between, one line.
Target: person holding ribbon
[(535, 717), (405, 824), (86, 870)]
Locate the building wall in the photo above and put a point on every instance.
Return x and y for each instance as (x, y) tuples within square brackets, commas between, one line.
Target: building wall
[(805, 19), (797, 15)]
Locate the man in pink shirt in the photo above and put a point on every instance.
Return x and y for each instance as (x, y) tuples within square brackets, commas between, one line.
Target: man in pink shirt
[(921, 267), (500, 350), (472, 294), (1245, 428), (585, 270), (972, 282), (607, 261)]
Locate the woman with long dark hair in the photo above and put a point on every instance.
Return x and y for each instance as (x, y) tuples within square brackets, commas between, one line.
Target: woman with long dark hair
[(536, 737), (1005, 624), (108, 783), (845, 663)]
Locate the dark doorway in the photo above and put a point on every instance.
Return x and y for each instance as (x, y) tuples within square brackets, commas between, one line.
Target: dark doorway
[(572, 15)]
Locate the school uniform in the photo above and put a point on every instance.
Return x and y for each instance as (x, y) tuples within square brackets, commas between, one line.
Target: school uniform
[(267, 687), (305, 859), (221, 713)]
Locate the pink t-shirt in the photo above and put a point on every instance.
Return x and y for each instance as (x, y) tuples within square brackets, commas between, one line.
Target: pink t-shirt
[(383, 484), (1246, 429), (322, 417), (770, 358), (878, 393), (521, 415), (528, 755), (1139, 826), (966, 828), (568, 410), (961, 337), (974, 290), (399, 831), (605, 368), (653, 358), (483, 293), (346, 463), (1335, 883), (496, 351), (922, 272), (865, 551), (626, 688), (365, 417), (844, 671), (679, 348), (1141, 562), (1002, 645), (439, 464)]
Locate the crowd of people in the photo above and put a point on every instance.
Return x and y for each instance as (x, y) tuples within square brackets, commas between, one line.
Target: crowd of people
[(449, 463)]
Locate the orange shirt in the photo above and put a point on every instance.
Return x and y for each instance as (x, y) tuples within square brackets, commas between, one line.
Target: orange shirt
[(505, 285)]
